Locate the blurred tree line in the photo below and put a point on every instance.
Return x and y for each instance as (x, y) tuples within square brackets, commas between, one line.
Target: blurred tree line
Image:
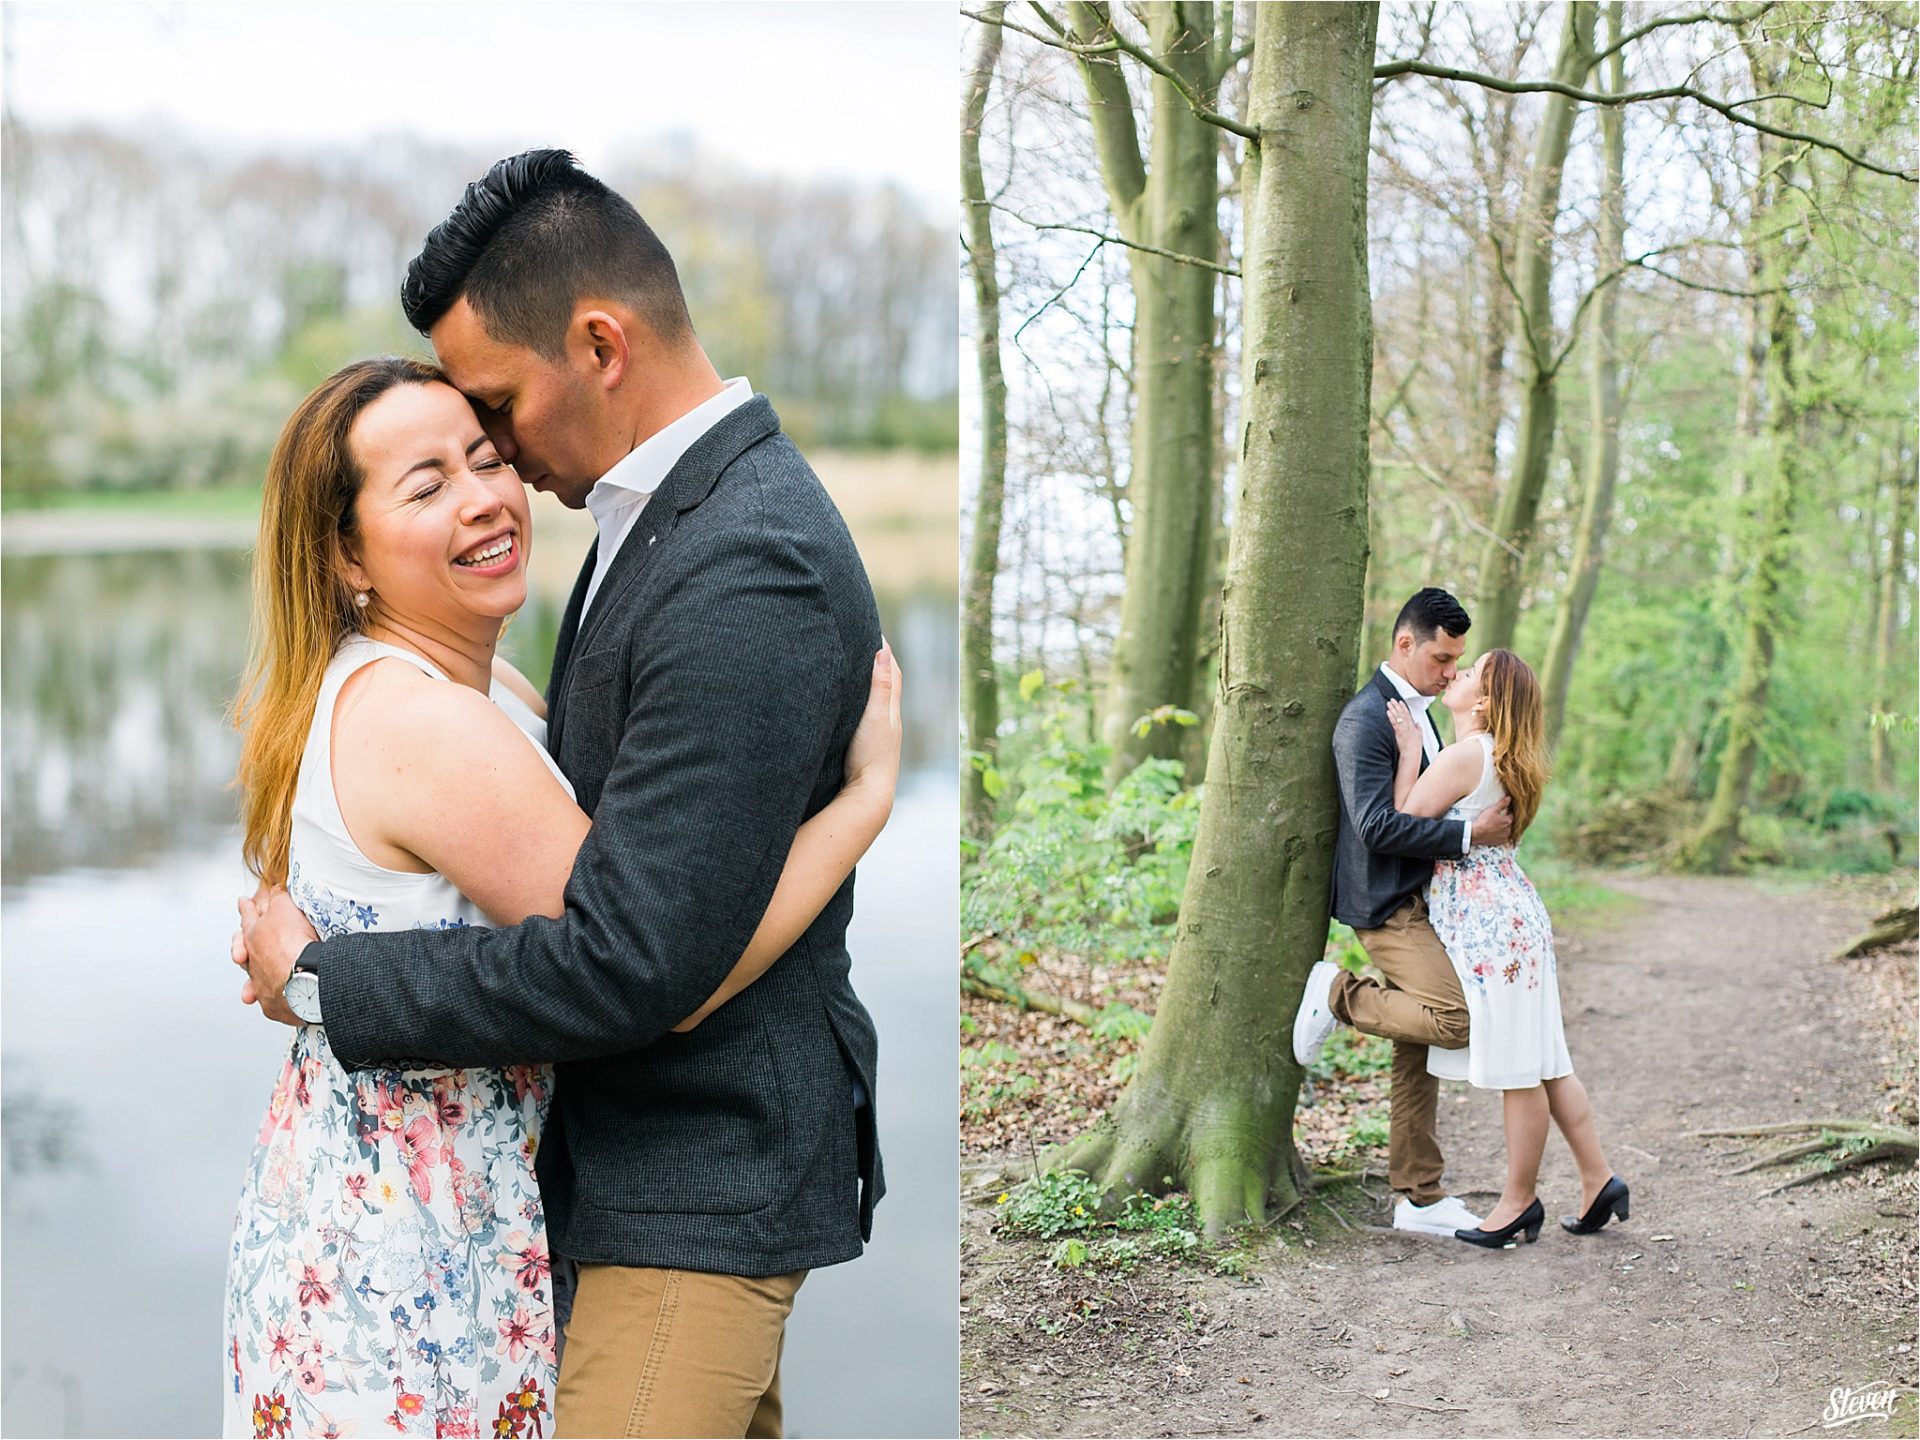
[(166, 303)]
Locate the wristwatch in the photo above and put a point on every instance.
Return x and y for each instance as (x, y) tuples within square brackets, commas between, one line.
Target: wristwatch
[(302, 991)]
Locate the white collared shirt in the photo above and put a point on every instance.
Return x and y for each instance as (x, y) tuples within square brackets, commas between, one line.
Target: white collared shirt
[(1419, 704), (618, 497)]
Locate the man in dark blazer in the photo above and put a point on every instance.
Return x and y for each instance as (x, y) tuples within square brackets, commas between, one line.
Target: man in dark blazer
[(712, 666), (1382, 862)]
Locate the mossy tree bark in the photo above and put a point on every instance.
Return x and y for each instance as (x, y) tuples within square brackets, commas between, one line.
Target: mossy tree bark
[(1165, 199), (1502, 564), (983, 558), (1602, 462), (1211, 1105)]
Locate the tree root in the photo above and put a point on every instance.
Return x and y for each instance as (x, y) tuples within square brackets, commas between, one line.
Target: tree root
[(1847, 1144), (1025, 999), (1231, 1183), (1900, 923)]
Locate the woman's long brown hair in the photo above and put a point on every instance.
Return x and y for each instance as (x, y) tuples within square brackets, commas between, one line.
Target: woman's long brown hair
[(302, 605), (1515, 720)]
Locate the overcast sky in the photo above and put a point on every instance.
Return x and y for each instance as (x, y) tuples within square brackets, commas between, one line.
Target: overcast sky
[(844, 90)]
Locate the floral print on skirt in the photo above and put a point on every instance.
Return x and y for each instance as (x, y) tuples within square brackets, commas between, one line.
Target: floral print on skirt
[(389, 1270), (1497, 934)]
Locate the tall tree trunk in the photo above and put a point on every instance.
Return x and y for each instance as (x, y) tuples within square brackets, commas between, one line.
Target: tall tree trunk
[(1690, 738), (1712, 846), (1377, 606), (1886, 639), (1603, 437), (983, 559), (1211, 1105), (1502, 569), (1166, 200)]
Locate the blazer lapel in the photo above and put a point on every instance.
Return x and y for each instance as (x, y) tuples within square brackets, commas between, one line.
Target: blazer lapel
[(689, 482)]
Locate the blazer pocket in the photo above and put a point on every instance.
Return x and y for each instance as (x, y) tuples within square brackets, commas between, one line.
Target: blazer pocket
[(693, 1125), (590, 672)]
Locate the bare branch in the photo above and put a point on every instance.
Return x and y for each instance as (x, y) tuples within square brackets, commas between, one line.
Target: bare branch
[(1121, 45), (1702, 16), (1120, 240), (1394, 69), (1058, 294)]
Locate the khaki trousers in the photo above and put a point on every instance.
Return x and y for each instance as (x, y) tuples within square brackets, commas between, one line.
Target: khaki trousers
[(1416, 1003), (673, 1352)]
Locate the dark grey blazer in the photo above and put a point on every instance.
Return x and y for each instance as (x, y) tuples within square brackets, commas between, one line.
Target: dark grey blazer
[(702, 710), (1380, 856)]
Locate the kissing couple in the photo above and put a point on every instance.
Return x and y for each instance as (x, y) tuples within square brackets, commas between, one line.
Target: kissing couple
[(580, 1090), (1425, 873)]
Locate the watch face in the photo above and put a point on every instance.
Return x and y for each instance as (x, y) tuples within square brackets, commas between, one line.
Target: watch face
[(303, 995)]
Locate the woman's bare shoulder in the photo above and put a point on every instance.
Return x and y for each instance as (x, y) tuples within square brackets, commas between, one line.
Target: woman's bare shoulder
[(397, 710)]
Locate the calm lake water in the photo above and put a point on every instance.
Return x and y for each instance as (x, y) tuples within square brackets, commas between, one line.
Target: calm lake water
[(133, 1081)]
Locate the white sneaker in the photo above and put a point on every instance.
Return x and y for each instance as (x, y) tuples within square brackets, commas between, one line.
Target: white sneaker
[(1316, 1020), (1442, 1217)]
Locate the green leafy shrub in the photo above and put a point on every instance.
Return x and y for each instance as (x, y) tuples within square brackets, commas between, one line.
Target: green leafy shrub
[(1051, 1204), (1077, 866)]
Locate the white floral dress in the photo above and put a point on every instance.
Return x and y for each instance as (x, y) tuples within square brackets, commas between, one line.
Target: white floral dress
[(389, 1269), (1498, 936)]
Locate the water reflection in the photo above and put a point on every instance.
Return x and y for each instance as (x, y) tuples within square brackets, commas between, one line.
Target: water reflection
[(134, 1082), (119, 669)]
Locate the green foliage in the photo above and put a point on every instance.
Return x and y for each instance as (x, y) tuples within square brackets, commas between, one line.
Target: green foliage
[(1075, 866), (1066, 1203), (1051, 1204), (1348, 1052), (1370, 1130), (982, 1091), (1120, 1021), (1164, 715), (1344, 947)]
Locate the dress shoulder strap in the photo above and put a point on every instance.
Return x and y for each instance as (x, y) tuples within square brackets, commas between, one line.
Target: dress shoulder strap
[(356, 652)]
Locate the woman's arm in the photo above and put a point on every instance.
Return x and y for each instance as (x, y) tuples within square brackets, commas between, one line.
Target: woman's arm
[(435, 776), (1446, 780)]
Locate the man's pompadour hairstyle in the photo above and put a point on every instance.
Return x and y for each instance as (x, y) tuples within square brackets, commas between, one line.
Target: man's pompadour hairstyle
[(1430, 610), (531, 237)]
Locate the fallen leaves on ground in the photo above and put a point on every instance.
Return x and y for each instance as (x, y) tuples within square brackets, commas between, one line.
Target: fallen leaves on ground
[(1029, 1080)]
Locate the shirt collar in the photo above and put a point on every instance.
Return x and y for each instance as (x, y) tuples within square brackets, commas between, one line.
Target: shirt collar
[(642, 469), (1415, 700)]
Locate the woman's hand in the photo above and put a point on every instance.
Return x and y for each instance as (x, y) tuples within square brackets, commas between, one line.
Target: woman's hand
[(873, 757), (1406, 734)]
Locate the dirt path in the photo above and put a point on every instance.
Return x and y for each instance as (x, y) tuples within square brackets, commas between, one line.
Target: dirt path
[(1710, 1313)]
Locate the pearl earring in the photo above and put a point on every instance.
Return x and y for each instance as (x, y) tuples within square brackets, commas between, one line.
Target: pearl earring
[(362, 597)]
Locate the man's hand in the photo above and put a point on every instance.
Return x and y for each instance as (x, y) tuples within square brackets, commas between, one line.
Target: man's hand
[(273, 932), (1494, 825)]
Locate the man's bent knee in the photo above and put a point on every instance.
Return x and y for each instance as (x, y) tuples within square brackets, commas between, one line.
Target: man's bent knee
[(1451, 1028)]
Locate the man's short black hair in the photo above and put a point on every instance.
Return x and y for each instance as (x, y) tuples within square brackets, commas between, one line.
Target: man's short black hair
[(531, 237), (1430, 610)]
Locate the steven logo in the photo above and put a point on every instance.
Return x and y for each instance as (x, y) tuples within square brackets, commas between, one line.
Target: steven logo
[(1845, 1404)]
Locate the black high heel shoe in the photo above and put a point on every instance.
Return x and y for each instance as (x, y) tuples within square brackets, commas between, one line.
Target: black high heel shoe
[(1611, 1202), (1529, 1220)]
